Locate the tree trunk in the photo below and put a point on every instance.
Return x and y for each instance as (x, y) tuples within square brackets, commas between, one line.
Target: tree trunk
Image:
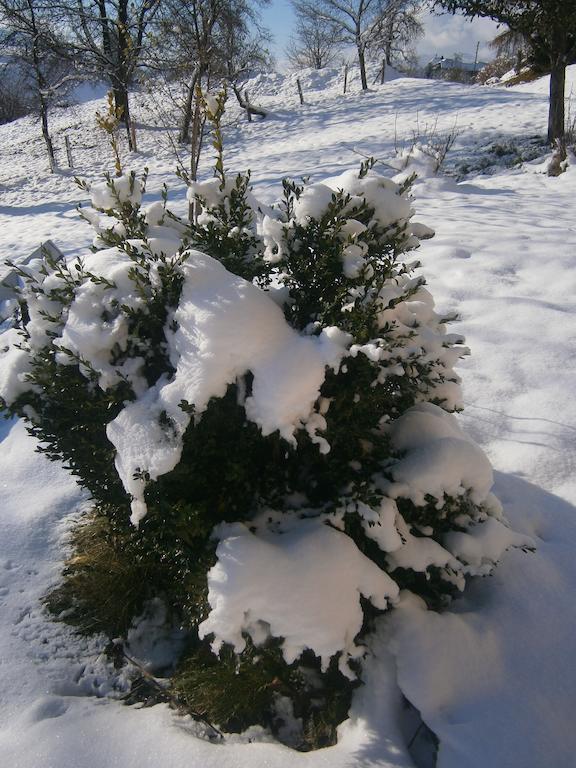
[(194, 208), (556, 109), (196, 124), (41, 86), (129, 126), (122, 73), (362, 62), (121, 102), (388, 53), (184, 133), (105, 29), (46, 134)]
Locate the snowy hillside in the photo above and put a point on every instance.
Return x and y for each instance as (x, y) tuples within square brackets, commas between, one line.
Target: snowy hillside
[(494, 678)]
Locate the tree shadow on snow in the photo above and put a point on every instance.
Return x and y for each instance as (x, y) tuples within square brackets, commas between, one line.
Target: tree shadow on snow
[(36, 208)]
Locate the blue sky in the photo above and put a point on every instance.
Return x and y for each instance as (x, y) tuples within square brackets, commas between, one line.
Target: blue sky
[(443, 34)]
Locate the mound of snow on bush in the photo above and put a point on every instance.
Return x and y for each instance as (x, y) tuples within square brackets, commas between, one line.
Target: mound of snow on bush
[(303, 586)]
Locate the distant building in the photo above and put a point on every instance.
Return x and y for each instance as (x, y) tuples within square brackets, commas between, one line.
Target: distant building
[(439, 66)]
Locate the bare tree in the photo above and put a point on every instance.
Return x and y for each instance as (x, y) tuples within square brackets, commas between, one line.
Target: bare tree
[(353, 22), (312, 44), (187, 33), (36, 54), (200, 40), (110, 36), (400, 27), (242, 43)]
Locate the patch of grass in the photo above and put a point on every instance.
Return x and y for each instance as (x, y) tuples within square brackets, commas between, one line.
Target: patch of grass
[(235, 692), (115, 569), (101, 589)]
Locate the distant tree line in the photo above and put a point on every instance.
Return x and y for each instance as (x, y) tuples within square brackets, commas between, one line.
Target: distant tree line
[(377, 29)]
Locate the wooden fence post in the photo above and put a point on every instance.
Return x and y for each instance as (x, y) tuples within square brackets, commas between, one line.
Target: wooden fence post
[(68, 151), (300, 91)]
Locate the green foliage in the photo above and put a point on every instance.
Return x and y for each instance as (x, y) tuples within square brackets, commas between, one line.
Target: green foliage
[(125, 212), (71, 426), (318, 286), (234, 692), (237, 691), (218, 479), (230, 232), (115, 569), (214, 113), (229, 229), (106, 559)]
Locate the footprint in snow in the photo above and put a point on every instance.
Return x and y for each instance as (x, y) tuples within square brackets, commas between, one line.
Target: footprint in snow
[(46, 708)]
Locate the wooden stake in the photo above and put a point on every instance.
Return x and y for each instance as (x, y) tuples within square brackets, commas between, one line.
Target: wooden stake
[(68, 151), (345, 77), (299, 84)]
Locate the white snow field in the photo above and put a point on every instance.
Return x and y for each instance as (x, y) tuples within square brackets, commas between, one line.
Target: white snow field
[(495, 676)]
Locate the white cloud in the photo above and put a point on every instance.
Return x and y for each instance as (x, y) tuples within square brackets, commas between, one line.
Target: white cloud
[(447, 34)]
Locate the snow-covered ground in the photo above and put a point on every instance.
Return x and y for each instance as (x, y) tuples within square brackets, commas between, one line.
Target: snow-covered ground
[(495, 677)]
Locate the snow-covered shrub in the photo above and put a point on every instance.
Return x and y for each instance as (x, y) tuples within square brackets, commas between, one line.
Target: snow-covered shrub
[(260, 404), (425, 152)]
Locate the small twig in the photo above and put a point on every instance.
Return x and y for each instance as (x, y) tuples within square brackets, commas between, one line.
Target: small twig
[(117, 648), (68, 151), (376, 159)]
